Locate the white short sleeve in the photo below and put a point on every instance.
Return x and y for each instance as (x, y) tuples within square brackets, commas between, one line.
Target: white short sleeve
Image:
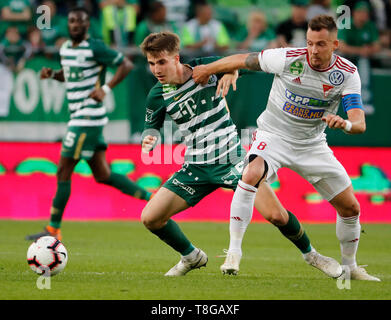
[(353, 85), (272, 60)]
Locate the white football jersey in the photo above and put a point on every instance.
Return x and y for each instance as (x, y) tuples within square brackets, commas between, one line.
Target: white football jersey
[(301, 95)]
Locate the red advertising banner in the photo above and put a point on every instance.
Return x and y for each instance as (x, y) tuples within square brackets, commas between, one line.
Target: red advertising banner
[(28, 183)]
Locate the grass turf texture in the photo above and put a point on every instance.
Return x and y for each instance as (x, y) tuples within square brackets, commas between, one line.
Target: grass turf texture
[(122, 260)]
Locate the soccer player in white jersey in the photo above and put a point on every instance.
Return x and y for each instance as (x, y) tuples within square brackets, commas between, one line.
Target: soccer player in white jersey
[(84, 62), (214, 156), (307, 88)]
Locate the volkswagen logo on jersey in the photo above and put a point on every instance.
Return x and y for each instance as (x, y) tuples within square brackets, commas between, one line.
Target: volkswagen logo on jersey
[(336, 77)]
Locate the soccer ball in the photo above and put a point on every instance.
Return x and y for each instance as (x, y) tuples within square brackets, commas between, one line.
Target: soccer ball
[(47, 256)]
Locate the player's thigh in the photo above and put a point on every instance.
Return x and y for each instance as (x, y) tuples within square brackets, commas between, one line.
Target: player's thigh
[(320, 167), (193, 182), (161, 208), (269, 206), (65, 168), (346, 203), (99, 166), (82, 142), (270, 148)]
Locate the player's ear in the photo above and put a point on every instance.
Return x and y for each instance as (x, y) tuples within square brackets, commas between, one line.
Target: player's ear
[(336, 44)]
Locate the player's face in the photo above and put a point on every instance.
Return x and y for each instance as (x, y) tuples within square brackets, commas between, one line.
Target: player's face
[(78, 24), (164, 67), (321, 45)]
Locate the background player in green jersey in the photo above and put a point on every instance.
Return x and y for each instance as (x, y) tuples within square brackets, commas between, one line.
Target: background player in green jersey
[(84, 61), (213, 159)]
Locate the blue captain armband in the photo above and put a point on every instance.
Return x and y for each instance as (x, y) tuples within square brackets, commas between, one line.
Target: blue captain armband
[(352, 101)]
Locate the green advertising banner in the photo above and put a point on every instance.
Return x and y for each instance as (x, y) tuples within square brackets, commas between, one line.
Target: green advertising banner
[(38, 109)]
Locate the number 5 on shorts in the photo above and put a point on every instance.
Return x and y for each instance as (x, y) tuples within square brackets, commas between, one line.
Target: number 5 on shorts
[(69, 139)]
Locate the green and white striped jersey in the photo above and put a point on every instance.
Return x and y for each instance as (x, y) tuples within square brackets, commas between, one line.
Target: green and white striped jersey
[(202, 118), (84, 69)]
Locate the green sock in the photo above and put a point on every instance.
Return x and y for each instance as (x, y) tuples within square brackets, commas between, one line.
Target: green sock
[(295, 233), (175, 238), (59, 202), (125, 185)]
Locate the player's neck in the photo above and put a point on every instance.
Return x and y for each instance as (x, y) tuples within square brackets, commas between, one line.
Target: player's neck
[(75, 43), (184, 73)]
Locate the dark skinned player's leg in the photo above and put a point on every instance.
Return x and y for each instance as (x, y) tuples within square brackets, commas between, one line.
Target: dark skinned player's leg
[(65, 169), (103, 174)]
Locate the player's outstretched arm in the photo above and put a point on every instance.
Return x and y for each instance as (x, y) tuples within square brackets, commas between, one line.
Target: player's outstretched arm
[(122, 71), (228, 64), (355, 123)]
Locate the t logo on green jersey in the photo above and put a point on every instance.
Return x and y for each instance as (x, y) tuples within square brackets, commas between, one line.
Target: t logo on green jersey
[(188, 107)]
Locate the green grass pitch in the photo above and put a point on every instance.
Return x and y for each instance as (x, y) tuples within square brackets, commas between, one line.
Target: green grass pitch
[(122, 260)]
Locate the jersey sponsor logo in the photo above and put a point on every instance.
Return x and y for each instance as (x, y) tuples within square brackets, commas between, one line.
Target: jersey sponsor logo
[(302, 112), (336, 77), (326, 89), (306, 101), (183, 186), (296, 68)]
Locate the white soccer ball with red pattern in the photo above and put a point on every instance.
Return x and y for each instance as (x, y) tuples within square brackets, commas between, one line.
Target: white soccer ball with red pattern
[(47, 256)]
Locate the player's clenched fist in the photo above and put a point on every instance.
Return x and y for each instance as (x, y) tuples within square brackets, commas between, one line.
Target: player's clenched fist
[(46, 73), (97, 94), (148, 143), (334, 122), (200, 74)]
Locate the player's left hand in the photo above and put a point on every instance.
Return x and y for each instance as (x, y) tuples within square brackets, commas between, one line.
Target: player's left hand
[(334, 122), (97, 94), (200, 74), (225, 83)]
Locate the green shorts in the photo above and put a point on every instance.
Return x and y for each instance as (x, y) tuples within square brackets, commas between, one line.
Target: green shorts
[(193, 182), (82, 142)]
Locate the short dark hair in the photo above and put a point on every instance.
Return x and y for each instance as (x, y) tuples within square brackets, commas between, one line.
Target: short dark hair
[(157, 43), (323, 21), (80, 9)]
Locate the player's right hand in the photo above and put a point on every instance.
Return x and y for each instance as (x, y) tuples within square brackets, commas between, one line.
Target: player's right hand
[(148, 143), (225, 83), (46, 73), (200, 74)]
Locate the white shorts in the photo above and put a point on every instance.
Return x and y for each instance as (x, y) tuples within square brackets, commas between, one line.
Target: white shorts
[(315, 162)]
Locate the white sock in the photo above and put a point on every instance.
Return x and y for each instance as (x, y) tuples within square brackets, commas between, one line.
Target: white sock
[(348, 233), (241, 213)]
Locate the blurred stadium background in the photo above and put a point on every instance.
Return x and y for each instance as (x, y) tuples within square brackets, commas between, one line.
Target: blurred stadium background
[(33, 113)]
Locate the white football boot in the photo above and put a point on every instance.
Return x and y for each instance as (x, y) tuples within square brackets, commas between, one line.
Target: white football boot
[(231, 263), (328, 265), (184, 265), (359, 273)]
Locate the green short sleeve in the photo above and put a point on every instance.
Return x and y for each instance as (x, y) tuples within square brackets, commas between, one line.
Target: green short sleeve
[(105, 55)]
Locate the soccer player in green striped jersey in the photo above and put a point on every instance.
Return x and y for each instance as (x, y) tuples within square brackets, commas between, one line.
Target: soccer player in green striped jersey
[(84, 62), (214, 156)]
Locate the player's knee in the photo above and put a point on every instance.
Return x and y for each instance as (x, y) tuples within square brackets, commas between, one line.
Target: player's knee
[(253, 174), (277, 218), (150, 222), (350, 210), (62, 173)]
